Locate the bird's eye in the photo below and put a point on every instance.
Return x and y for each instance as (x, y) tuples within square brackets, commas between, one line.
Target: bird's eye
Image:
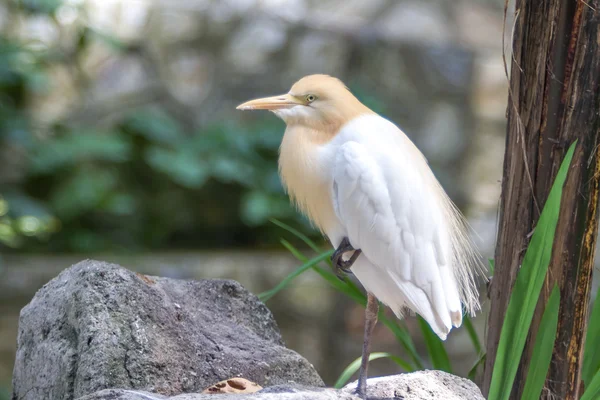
[(310, 98)]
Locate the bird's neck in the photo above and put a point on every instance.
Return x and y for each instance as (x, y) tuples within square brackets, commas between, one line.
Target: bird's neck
[(304, 174)]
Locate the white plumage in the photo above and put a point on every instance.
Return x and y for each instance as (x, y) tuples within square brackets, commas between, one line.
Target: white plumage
[(390, 206), (357, 175)]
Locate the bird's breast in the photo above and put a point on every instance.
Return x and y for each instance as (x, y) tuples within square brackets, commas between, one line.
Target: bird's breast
[(306, 173)]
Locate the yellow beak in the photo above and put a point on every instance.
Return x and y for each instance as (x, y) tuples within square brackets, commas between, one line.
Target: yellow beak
[(271, 103)]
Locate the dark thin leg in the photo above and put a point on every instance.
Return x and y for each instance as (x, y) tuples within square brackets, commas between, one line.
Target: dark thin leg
[(370, 322), (340, 265)]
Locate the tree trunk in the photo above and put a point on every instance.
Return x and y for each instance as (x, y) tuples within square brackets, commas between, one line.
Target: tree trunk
[(554, 99)]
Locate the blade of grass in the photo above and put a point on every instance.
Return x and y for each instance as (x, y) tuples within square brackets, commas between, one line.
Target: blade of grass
[(473, 371), (295, 252), (542, 348), (403, 337), (591, 353), (468, 324), (265, 296), (355, 365), (526, 291), (348, 287), (592, 391), (298, 234), (345, 286), (437, 353)]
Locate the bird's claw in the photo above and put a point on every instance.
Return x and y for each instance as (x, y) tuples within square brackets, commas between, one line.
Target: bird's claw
[(341, 266), (361, 393)]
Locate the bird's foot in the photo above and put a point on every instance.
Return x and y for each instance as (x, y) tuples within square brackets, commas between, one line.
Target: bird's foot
[(361, 391), (341, 266)]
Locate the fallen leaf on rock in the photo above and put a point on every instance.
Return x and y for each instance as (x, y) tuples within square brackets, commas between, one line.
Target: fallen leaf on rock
[(233, 385)]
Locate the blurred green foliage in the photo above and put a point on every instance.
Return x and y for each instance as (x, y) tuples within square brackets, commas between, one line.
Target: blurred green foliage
[(145, 181)]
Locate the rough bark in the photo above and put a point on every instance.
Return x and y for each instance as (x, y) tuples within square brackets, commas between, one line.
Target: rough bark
[(554, 100)]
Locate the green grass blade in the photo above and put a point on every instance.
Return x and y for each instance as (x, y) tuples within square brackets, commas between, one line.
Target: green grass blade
[(403, 337), (473, 371), (355, 365), (346, 286), (350, 289), (592, 391), (526, 291), (298, 234), (265, 296), (542, 350), (295, 252), (468, 324), (591, 354), (437, 353)]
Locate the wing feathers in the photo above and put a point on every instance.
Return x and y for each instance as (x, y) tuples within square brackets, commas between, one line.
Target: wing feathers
[(401, 224)]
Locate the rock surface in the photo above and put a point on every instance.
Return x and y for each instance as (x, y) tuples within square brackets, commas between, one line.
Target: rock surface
[(99, 326), (421, 385)]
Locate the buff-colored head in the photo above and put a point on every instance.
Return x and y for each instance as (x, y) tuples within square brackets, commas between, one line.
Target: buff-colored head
[(316, 101)]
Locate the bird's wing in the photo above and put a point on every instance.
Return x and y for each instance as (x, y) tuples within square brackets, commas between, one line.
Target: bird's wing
[(391, 212)]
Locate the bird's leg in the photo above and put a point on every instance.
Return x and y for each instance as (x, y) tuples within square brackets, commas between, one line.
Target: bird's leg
[(340, 265), (370, 321)]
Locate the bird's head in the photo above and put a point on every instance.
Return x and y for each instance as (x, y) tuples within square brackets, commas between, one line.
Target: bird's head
[(316, 101)]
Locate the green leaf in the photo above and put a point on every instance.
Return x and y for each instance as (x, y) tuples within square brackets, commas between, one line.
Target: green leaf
[(354, 366), (592, 391), (345, 286), (492, 266), (403, 337), (156, 125), (20, 204), (349, 288), (526, 291), (183, 167), (473, 371), (258, 206), (83, 191), (542, 350), (472, 334), (79, 146), (591, 354), (297, 233), (435, 347), (265, 296)]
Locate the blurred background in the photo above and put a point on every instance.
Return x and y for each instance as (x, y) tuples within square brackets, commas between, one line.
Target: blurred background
[(119, 140)]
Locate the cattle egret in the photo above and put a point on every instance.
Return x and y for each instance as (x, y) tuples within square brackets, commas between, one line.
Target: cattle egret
[(366, 186)]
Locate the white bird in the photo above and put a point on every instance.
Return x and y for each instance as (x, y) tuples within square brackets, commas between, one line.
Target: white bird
[(366, 186)]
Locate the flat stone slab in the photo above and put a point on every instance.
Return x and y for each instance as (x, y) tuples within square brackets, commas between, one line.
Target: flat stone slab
[(420, 385)]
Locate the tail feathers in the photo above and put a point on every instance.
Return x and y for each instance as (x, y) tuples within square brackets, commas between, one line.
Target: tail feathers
[(440, 320), (399, 294)]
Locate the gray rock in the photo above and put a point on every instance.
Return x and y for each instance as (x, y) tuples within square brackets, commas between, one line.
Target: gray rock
[(419, 385), (99, 326)]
